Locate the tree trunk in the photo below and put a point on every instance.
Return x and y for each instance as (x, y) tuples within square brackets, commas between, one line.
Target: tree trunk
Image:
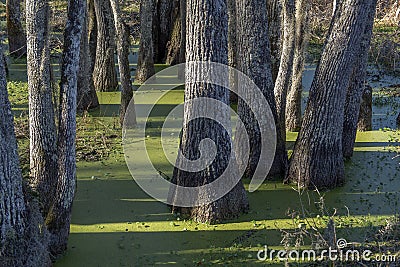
[(254, 60), (92, 34), (357, 86), (398, 120), (21, 241), (232, 48), (365, 114), (274, 11), (43, 162), (15, 31), (59, 218), (207, 30), (293, 103), (145, 65), (162, 28), (104, 73), (123, 63), (174, 43), (87, 97), (317, 159)]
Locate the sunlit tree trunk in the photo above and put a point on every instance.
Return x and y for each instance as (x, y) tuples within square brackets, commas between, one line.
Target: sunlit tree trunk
[(205, 17), (293, 103), (87, 97), (317, 159), (104, 73), (274, 11), (123, 64), (59, 218), (15, 31), (357, 87), (43, 159), (145, 65)]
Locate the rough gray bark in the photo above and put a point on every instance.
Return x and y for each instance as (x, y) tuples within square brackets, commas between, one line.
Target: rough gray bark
[(283, 80), (357, 86), (207, 30), (182, 51), (87, 97), (145, 65), (43, 162), (15, 31), (255, 61), (104, 73), (317, 159), (293, 103), (274, 11), (21, 242), (365, 114), (59, 218), (123, 64)]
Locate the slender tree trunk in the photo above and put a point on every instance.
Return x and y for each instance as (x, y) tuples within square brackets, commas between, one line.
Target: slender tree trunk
[(15, 31), (21, 241), (283, 80), (123, 63), (104, 73), (317, 159), (59, 218), (87, 97), (293, 103), (365, 114), (43, 162), (254, 60), (357, 87), (145, 65), (205, 17), (274, 11)]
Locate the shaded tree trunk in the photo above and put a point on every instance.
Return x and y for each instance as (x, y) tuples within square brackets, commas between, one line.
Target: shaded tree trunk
[(15, 31), (162, 28), (104, 73), (43, 162), (145, 65), (365, 114), (92, 34), (174, 43), (87, 97), (274, 11), (293, 103), (357, 86), (254, 60), (317, 159), (398, 119), (204, 18), (123, 64), (59, 218)]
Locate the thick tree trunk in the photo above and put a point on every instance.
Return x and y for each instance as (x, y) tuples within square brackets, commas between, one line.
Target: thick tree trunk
[(207, 30), (357, 87), (87, 97), (293, 103), (232, 48), (365, 114), (274, 11), (59, 218), (15, 31), (145, 65), (254, 60), (21, 241), (104, 73), (123, 63), (174, 43), (317, 159), (43, 160)]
